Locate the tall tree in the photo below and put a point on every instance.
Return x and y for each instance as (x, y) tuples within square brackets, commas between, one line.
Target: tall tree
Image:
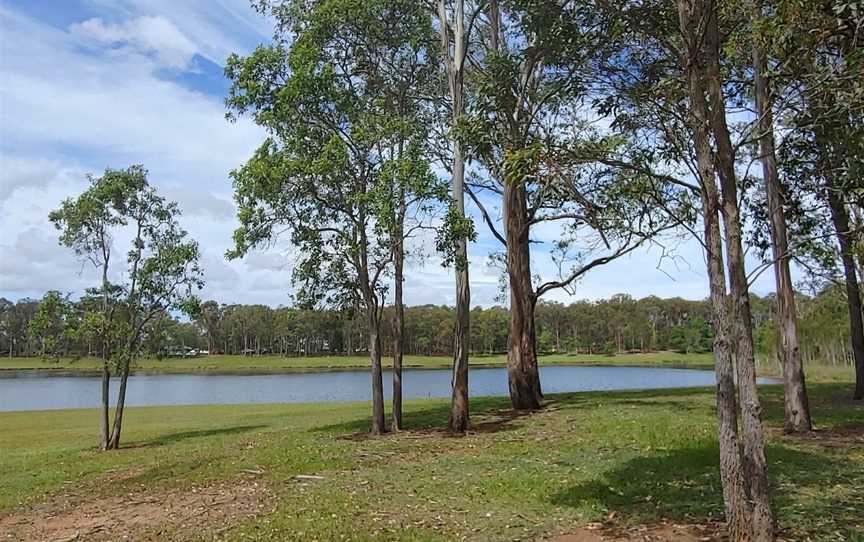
[(454, 50), (819, 47), (797, 407), (544, 163), (664, 66), (755, 465), (326, 170)]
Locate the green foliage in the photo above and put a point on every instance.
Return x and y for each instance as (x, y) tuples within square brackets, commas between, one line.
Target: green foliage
[(54, 324), (347, 137), (162, 271), (694, 336), (456, 227)]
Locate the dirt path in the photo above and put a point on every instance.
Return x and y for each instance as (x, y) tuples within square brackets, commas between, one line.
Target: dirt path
[(141, 515), (665, 532)]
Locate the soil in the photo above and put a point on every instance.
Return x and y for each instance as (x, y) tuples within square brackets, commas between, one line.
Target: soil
[(141, 515), (666, 532)]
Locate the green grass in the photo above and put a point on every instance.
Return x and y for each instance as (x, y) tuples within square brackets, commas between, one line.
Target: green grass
[(274, 364), (645, 456)]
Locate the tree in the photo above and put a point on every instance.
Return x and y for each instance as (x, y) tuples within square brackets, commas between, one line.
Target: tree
[(161, 271), (453, 31), (664, 66), (325, 170), (818, 49), (544, 163), (210, 319), (53, 325)]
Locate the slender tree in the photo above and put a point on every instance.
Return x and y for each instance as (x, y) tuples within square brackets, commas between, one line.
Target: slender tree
[(797, 408), (454, 50), (335, 148), (161, 271)]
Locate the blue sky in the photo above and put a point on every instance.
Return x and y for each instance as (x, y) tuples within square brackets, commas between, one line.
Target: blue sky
[(90, 84)]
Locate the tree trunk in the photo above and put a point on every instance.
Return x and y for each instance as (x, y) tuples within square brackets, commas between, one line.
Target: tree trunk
[(735, 493), (522, 371), (455, 64), (106, 398), (378, 426), (840, 218), (106, 372), (755, 465), (459, 407), (398, 315), (797, 407), (114, 443)]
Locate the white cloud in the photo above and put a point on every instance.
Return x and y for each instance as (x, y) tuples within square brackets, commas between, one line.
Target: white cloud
[(146, 34), (217, 27)]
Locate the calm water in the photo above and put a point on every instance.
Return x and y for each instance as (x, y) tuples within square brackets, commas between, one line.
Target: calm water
[(28, 391)]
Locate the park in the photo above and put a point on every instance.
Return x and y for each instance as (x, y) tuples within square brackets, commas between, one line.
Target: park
[(561, 271)]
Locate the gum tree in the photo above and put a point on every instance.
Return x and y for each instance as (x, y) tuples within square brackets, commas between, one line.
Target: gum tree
[(344, 158), (161, 271), (544, 163)]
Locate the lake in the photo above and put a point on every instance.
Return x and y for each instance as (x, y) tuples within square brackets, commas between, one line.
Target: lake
[(29, 390)]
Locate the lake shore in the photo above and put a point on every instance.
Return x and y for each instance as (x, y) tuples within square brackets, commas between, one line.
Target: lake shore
[(251, 365), (266, 364), (598, 461)]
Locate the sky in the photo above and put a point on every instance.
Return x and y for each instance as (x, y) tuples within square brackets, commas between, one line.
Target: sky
[(91, 84)]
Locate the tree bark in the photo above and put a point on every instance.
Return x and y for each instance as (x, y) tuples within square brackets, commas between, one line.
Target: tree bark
[(522, 372), (735, 492), (378, 426), (459, 407), (106, 371), (796, 404), (840, 218), (105, 400), (755, 465), (399, 314), (114, 442)]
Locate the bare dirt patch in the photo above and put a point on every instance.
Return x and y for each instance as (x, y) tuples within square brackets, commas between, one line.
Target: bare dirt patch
[(832, 438), (141, 515), (665, 532)]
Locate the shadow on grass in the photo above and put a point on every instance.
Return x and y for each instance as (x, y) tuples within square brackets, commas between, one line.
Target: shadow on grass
[(185, 435), (492, 414), (684, 484)]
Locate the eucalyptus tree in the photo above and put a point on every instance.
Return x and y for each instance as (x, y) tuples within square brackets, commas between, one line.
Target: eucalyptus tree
[(529, 127), (161, 272), (796, 404), (211, 318), (455, 39), (819, 56), (344, 148), (663, 78)]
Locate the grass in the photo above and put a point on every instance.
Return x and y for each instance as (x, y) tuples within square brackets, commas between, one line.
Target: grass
[(276, 364), (644, 456)]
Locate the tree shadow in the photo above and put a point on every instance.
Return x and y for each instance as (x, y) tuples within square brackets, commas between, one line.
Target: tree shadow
[(184, 435), (684, 484), (488, 415), (493, 414)]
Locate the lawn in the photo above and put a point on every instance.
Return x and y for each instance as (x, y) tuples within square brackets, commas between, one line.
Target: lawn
[(273, 364), (624, 458)]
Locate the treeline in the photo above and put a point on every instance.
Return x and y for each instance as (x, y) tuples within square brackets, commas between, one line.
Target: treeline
[(615, 325)]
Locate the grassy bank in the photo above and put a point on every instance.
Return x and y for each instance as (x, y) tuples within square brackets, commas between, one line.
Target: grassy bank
[(276, 364), (626, 458)]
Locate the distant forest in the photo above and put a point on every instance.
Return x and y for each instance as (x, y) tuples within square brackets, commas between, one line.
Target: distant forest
[(619, 324)]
